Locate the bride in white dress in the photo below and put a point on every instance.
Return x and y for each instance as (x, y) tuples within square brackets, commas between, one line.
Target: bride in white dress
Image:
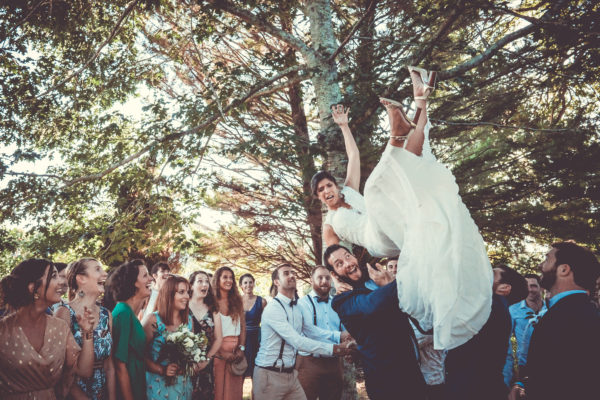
[(411, 206)]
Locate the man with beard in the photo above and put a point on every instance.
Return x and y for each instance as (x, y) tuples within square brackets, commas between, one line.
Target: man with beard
[(565, 346), (320, 376), (281, 324), (385, 338)]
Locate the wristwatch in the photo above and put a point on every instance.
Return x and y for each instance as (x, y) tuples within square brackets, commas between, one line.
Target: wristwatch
[(242, 347)]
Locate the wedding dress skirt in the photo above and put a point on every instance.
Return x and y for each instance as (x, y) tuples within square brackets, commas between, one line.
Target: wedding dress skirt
[(412, 207)]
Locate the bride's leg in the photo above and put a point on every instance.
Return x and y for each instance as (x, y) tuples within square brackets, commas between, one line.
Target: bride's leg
[(416, 139)]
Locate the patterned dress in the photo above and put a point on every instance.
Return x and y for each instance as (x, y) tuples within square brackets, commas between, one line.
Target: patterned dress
[(204, 381), (157, 387), (95, 386)]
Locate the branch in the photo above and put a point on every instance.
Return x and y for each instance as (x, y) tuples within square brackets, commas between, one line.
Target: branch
[(176, 135), (265, 26), (481, 123), (353, 30), (113, 33), (53, 176)]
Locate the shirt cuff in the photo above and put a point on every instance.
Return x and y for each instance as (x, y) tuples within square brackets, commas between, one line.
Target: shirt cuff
[(330, 350), (337, 336)]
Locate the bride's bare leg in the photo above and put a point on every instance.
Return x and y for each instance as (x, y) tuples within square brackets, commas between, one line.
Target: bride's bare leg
[(399, 126), (416, 139)]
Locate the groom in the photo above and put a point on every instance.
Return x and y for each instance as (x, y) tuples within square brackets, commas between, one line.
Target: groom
[(385, 338)]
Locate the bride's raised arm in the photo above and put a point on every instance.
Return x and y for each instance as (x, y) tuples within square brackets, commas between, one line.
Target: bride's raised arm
[(340, 117)]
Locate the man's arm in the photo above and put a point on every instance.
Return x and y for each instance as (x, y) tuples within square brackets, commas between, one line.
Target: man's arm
[(368, 303), (275, 317), (310, 329)]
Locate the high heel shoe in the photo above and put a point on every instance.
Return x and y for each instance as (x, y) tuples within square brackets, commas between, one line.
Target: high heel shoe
[(406, 126), (428, 79)]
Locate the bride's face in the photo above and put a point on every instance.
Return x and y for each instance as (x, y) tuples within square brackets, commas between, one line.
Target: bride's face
[(328, 193)]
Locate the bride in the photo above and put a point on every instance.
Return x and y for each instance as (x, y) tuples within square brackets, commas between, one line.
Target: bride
[(411, 206)]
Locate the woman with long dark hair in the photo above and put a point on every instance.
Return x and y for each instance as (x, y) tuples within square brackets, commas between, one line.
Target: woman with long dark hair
[(172, 311), (38, 351), (129, 286), (253, 308), (207, 321), (228, 386), (411, 206), (85, 279)]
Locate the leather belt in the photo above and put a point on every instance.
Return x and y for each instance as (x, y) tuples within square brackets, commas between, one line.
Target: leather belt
[(275, 369)]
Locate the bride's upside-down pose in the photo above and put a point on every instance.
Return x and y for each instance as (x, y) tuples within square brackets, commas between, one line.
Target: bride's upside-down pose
[(411, 206)]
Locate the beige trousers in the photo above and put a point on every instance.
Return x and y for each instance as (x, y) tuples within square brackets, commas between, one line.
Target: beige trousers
[(271, 385)]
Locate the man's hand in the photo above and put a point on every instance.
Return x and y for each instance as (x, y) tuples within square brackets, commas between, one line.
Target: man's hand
[(380, 276), (345, 336), (344, 349), (516, 393), (340, 287)]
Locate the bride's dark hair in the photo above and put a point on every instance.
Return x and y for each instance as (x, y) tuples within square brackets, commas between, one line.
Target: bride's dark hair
[(318, 177)]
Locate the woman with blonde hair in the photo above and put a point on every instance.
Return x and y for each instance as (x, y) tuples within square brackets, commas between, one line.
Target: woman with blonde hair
[(85, 279), (228, 386)]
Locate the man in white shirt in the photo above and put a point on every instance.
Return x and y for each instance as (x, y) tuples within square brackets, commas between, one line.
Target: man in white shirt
[(320, 376), (160, 272), (281, 325)]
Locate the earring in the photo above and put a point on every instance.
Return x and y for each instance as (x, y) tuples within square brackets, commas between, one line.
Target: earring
[(81, 294), (36, 296)]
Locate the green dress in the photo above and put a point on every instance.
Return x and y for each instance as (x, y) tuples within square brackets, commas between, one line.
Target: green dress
[(129, 344)]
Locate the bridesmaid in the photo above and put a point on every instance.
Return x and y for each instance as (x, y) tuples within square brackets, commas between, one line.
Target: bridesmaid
[(253, 307), (228, 386), (38, 351), (85, 279), (130, 287), (206, 320), (172, 312)]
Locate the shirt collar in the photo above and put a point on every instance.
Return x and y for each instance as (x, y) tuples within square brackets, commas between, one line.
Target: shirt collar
[(284, 299), (314, 294), (554, 299)]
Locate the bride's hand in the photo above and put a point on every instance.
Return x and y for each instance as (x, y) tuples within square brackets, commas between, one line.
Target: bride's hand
[(339, 114), (340, 287)]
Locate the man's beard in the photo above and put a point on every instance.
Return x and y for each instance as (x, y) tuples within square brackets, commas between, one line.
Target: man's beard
[(364, 276), (548, 279)]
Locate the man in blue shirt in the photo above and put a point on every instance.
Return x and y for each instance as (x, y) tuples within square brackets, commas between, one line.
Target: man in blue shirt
[(385, 338), (321, 376), (565, 347), (524, 315)]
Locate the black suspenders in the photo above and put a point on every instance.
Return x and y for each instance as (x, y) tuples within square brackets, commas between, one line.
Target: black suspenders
[(280, 357), (312, 303)]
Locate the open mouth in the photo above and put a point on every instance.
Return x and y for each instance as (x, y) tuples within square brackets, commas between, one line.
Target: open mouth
[(327, 198), (149, 285), (61, 290)]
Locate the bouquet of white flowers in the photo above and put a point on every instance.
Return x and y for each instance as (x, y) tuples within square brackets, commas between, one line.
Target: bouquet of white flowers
[(184, 348)]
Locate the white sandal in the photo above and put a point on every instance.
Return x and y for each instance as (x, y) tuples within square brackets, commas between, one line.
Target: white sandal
[(428, 79)]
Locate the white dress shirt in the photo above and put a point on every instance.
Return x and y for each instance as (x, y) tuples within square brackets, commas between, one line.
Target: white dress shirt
[(327, 319), (287, 323)]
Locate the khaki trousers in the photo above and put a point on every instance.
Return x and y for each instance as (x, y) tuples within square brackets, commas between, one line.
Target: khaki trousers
[(320, 377), (271, 385)]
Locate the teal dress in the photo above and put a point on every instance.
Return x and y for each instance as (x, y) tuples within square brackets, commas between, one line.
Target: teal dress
[(157, 389), (129, 344)]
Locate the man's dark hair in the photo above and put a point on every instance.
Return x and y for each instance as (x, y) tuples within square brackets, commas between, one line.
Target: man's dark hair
[(533, 276), (391, 259), (160, 266), (60, 266), (583, 263), (328, 251), (318, 177), (517, 282)]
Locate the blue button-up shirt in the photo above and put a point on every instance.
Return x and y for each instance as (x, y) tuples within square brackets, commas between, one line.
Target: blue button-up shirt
[(523, 322), (287, 323), (326, 318)]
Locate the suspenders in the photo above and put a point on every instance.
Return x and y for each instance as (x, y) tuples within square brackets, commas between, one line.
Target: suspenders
[(312, 303), (280, 357)]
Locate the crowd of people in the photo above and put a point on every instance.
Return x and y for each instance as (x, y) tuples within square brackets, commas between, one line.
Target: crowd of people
[(434, 324)]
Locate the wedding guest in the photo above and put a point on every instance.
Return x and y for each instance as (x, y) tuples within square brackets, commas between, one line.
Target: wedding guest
[(207, 321), (564, 349), (321, 376), (38, 351), (160, 272), (63, 287), (86, 283), (164, 379), (392, 265), (253, 308), (228, 386), (130, 286)]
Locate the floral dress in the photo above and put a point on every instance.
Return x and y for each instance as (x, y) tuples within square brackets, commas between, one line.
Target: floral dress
[(204, 381), (156, 384), (95, 387)]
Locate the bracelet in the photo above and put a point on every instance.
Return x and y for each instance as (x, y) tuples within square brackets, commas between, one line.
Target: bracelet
[(399, 138), (87, 335)]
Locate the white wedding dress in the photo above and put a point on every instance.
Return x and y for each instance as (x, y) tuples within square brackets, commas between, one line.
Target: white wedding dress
[(412, 207)]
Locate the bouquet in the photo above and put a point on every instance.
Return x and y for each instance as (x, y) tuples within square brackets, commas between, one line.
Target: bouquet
[(184, 348)]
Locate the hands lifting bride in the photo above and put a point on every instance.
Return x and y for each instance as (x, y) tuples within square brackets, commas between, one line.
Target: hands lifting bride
[(411, 207)]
